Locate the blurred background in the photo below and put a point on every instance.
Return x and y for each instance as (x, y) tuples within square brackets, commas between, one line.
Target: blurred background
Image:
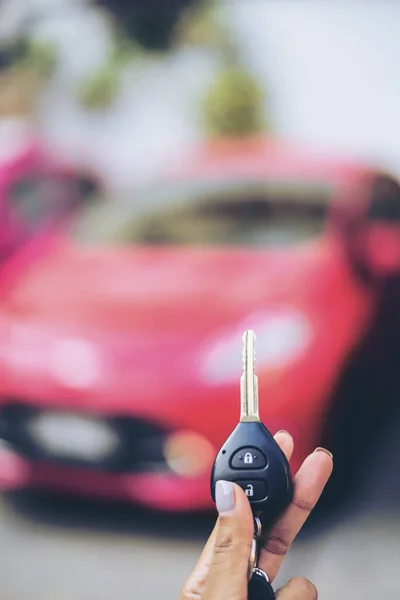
[(171, 174)]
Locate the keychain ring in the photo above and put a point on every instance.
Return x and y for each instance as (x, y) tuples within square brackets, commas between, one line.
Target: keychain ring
[(258, 571), (253, 558), (254, 547), (257, 527)]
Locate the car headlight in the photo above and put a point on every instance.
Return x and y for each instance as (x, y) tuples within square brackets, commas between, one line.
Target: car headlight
[(282, 336), (68, 360)]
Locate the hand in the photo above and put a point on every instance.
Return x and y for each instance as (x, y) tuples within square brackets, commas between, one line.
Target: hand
[(221, 572)]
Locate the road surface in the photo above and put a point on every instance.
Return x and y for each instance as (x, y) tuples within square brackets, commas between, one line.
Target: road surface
[(62, 550)]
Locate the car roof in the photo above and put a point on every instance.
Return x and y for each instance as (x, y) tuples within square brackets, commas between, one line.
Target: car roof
[(260, 158), (234, 166)]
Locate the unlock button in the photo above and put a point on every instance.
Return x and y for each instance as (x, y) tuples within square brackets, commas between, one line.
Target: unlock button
[(248, 458), (254, 489)]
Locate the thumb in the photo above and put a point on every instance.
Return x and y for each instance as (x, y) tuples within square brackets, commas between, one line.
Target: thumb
[(227, 577)]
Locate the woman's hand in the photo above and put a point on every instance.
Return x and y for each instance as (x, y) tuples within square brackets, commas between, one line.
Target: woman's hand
[(221, 572)]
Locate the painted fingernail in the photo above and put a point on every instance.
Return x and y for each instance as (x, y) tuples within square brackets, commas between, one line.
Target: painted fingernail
[(284, 431), (224, 496), (324, 450)]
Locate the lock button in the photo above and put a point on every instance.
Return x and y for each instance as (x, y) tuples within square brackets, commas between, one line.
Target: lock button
[(255, 489), (248, 458)]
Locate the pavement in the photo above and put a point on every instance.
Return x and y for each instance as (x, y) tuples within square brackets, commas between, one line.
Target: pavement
[(68, 549), (64, 549)]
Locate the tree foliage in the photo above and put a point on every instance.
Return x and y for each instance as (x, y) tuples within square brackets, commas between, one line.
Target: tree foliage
[(233, 104), (29, 54), (99, 90)]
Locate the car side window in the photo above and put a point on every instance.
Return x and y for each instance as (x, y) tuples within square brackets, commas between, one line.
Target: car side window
[(36, 200), (27, 199), (385, 200)]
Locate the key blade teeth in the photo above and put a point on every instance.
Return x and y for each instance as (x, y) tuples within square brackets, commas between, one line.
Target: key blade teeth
[(249, 387), (248, 349), (249, 333)]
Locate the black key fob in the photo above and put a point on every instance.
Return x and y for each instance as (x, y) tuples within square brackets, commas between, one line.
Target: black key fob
[(251, 458)]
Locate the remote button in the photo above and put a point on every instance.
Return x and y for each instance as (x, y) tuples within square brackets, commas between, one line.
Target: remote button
[(248, 458), (254, 489)]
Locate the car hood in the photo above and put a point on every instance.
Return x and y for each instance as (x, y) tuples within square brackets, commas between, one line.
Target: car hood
[(159, 289)]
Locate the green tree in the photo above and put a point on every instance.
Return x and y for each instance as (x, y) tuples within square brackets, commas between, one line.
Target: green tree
[(99, 90), (40, 57), (233, 104)]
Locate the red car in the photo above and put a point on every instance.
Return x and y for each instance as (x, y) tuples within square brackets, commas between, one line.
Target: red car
[(120, 337)]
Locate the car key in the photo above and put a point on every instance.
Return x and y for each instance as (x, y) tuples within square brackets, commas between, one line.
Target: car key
[(250, 456)]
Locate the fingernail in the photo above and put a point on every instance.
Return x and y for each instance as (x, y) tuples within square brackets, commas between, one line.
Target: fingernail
[(324, 450), (284, 431), (224, 496)]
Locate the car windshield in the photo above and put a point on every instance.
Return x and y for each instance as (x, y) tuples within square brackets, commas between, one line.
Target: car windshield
[(246, 214)]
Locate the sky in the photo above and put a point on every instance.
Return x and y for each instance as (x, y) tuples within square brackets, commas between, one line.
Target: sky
[(330, 68)]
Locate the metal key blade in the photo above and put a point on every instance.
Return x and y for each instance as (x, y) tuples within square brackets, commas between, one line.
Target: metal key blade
[(248, 381)]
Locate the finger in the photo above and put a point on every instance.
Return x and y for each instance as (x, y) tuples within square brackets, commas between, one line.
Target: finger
[(297, 588), (194, 586), (309, 483), (285, 442), (227, 576)]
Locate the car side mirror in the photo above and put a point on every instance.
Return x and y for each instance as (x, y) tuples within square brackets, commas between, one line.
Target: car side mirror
[(379, 242), (382, 249)]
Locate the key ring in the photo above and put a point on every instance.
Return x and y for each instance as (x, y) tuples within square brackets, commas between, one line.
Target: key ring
[(254, 548), (253, 558), (258, 571), (259, 585)]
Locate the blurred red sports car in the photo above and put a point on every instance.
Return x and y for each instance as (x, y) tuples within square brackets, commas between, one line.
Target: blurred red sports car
[(120, 339)]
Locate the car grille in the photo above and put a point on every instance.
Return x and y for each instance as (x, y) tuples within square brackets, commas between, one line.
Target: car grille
[(140, 446)]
